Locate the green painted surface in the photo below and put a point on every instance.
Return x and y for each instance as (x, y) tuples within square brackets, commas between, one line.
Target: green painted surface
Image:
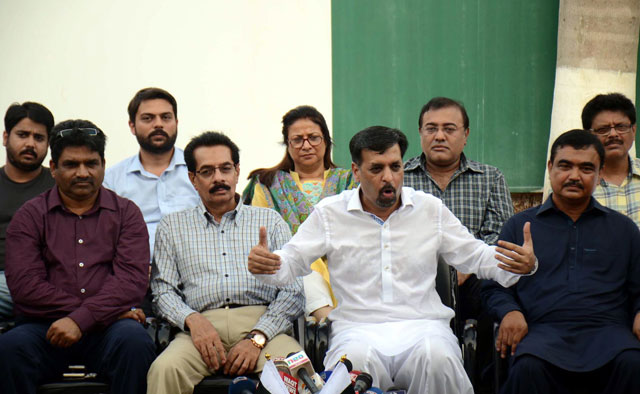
[(498, 57)]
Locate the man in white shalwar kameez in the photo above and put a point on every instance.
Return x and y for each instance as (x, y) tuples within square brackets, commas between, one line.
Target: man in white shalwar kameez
[(382, 243)]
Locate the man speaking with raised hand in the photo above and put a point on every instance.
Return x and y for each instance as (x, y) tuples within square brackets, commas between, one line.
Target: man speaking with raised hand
[(382, 242)]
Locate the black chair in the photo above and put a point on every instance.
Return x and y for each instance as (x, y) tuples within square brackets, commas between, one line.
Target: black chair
[(317, 342)]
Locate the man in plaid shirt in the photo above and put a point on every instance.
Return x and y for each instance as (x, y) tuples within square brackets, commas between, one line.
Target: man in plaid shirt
[(476, 193)]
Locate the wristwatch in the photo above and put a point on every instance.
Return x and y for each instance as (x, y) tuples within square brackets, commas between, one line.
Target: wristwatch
[(257, 338)]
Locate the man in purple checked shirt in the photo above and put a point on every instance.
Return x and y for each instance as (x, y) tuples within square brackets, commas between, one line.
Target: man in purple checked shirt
[(77, 266)]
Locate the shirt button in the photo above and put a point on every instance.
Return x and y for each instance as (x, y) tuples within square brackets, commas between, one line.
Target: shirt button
[(226, 275), (386, 246), (80, 241), (387, 268), (228, 299), (81, 264), (82, 291), (224, 254), (222, 231)]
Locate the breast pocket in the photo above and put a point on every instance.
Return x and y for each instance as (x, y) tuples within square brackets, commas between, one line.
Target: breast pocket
[(601, 266)]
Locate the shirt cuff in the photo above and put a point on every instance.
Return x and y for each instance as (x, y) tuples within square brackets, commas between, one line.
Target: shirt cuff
[(83, 318), (265, 328)]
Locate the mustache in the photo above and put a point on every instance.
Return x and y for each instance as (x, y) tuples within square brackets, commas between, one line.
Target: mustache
[(573, 183), (82, 180), (29, 150), (158, 132), (219, 186), (613, 141), (387, 188)]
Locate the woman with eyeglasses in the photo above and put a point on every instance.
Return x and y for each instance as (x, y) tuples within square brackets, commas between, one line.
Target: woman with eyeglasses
[(303, 177)]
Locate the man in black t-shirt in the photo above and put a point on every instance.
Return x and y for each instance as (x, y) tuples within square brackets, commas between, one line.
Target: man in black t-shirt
[(25, 137)]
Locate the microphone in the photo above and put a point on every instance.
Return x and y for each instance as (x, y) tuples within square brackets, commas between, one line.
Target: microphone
[(363, 383), (300, 367), (290, 382), (242, 385), (325, 375)]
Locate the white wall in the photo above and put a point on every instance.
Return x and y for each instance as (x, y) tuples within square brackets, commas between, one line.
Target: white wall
[(233, 66)]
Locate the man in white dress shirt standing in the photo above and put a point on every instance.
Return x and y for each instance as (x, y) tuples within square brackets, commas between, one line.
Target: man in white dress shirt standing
[(382, 242)]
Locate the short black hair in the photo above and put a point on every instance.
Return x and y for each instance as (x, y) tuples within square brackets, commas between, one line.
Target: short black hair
[(377, 139), (77, 137), (577, 139), (34, 111), (607, 102), (444, 102), (209, 138), (150, 94)]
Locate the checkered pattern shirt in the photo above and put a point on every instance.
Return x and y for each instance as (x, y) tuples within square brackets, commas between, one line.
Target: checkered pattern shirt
[(199, 264), (477, 194), (624, 198)]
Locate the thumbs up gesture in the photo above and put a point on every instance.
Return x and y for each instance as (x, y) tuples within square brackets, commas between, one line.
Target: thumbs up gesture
[(261, 260), (515, 258)]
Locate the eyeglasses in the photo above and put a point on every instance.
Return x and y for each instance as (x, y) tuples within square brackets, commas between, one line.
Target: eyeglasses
[(605, 130), (448, 129), (207, 172), (297, 142), (85, 130)]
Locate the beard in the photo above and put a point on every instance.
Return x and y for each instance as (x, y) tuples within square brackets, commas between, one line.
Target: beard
[(148, 145), (15, 161), (386, 202)]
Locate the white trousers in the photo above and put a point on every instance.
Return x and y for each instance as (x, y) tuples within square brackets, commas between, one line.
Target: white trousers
[(422, 357)]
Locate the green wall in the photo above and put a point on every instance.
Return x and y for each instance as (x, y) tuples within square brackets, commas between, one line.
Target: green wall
[(498, 57)]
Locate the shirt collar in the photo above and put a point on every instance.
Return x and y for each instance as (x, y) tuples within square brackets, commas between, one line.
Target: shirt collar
[(635, 166), (421, 162), (176, 160), (549, 205), (236, 215), (105, 200)]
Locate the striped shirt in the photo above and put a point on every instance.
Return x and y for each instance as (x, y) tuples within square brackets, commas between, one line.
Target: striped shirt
[(624, 198), (199, 264), (477, 194)]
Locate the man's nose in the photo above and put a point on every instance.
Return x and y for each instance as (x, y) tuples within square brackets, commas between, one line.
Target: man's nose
[(574, 173), (387, 174), (31, 141), (82, 171), (440, 135), (158, 123)]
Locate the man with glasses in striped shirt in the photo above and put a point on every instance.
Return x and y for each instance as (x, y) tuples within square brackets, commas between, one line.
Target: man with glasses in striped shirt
[(612, 118), (228, 319)]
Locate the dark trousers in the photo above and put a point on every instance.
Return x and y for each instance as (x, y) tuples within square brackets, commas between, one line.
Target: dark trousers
[(120, 354), (530, 374)]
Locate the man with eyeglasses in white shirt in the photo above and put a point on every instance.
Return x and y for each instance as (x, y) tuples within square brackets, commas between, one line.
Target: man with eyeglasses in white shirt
[(612, 118)]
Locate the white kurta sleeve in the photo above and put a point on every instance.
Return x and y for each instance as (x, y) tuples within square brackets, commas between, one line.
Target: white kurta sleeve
[(462, 250)]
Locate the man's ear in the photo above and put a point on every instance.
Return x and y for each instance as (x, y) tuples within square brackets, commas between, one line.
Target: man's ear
[(132, 127), (192, 178), (356, 171), (5, 138)]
